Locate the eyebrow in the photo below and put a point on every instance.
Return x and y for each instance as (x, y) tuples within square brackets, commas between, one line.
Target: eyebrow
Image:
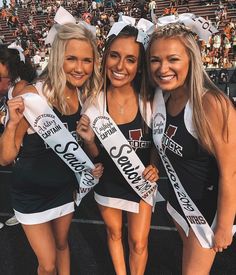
[(171, 55), (129, 56), (86, 57)]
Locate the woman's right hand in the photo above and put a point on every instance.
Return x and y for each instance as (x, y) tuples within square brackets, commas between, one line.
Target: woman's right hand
[(84, 130), (98, 170), (16, 108)]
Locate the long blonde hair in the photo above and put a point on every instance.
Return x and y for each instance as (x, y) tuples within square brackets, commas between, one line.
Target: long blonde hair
[(198, 82), (55, 81)]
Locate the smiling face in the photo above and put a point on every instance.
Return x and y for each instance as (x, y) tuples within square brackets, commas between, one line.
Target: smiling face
[(122, 61), (78, 62), (169, 63)]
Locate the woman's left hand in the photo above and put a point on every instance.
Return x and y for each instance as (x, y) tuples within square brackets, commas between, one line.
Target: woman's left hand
[(222, 239), (98, 170), (151, 173)]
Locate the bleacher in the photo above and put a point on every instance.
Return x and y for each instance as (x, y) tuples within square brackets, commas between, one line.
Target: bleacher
[(193, 7)]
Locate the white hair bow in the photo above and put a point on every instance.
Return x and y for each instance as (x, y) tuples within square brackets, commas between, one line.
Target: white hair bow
[(203, 28), (62, 17), (144, 27), (17, 47)]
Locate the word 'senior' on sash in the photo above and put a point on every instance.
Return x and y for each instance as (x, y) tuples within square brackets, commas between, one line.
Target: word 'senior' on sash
[(121, 153), (49, 127)]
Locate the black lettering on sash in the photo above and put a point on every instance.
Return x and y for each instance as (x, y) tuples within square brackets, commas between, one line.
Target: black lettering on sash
[(120, 150), (76, 146), (88, 179), (196, 219)]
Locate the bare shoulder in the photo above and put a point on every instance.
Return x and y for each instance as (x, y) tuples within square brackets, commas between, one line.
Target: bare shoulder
[(218, 109), (22, 87), (216, 102)]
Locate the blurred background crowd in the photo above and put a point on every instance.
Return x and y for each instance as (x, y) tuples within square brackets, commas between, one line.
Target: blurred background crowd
[(29, 21)]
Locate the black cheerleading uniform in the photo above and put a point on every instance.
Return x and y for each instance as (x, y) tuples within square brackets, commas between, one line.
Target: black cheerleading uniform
[(196, 168), (113, 190), (43, 185)]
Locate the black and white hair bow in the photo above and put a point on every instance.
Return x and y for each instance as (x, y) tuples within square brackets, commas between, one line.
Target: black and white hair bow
[(145, 28)]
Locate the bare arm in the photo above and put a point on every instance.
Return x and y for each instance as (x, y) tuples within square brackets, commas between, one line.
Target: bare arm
[(16, 127), (224, 151), (12, 136)]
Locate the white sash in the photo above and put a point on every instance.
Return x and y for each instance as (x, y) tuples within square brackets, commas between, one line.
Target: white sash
[(196, 220), (120, 150), (49, 127)]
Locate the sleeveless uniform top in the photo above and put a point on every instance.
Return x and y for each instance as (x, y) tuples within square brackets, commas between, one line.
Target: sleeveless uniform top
[(41, 180), (195, 167), (112, 183)]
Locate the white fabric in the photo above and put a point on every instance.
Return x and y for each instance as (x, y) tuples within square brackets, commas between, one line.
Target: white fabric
[(19, 49), (196, 220), (120, 151), (144, 27), (62, 17), (129, 206), (45, 216), (202, 27), (48, 126)]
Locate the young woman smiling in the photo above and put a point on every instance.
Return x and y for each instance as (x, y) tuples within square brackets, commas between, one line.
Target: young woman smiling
[(196, 137), (43, 185), (123, 68)]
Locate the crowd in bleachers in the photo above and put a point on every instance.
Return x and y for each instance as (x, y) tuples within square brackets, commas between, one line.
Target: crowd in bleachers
[(30, 21)]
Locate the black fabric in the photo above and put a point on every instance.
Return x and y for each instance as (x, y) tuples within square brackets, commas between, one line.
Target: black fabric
[(195, 167), (112, 182), (41, 180)]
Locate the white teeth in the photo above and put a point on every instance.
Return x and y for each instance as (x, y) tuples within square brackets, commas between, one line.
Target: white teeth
[(118, 75), (78, 76), (167, 77)]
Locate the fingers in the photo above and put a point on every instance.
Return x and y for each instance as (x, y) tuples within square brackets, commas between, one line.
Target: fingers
[(84, 130), (220, 248), (98, 170), (16, 108), (83, 124), (16, 104), (151, 173), (84, 120), (222, 238)]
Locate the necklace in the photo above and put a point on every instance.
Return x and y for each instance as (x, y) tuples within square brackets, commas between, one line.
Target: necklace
[(121, 108)]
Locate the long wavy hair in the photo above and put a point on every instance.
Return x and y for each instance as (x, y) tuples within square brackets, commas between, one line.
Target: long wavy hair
[(55, 78), (140, 82), (198, 82)]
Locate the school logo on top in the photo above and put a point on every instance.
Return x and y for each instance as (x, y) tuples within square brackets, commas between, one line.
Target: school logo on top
[(135, 139), (169, 143)]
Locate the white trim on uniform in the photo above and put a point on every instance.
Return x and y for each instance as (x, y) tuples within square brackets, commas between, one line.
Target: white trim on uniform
[(126, 205), (45, 216)]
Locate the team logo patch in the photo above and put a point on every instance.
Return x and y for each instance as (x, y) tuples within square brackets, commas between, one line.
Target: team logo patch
[(136, 139), (169, 143)]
